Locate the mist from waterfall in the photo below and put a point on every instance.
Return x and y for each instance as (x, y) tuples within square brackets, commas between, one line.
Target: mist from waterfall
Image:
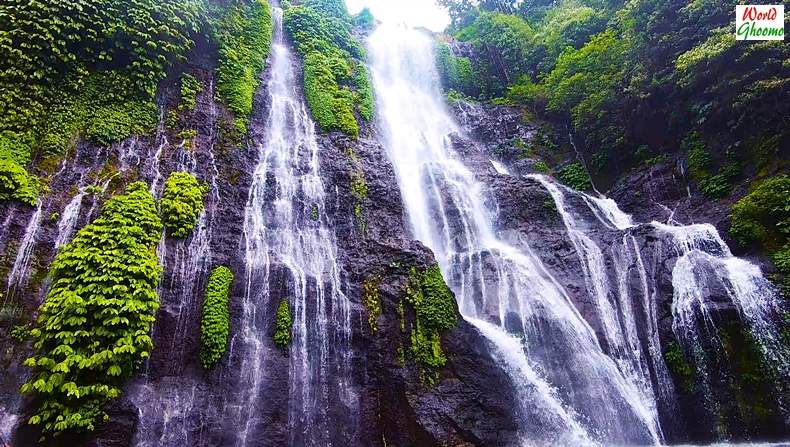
[(577, 392)]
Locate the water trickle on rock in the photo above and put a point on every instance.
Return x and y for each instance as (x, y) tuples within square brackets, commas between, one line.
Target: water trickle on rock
[(285, 247)]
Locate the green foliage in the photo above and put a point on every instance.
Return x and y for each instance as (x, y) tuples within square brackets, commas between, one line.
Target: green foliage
[(215, 325), (282, 325), (541, 166), (372, 300), (94, 328), (434, 309), (15, 182), (575, 176), (243, 32), (182, 203), (456, 72), (679, 367), (505, 40), (190, 87), (336, 81), (763, 218), (638, 73)]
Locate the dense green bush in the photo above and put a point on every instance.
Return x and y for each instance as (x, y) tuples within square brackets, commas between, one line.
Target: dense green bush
[(763, 218), (215, 324), (336, 81), (282, 325), (94, 328), (434, 308), (15, 182), (243, 32), (575, 176), (182, 203), (456, 72), (190, 88)]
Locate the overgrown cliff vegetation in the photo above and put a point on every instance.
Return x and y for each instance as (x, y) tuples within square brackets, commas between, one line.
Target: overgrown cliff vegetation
[(637, 82), (94, 328), (91, 69), (336, 83)]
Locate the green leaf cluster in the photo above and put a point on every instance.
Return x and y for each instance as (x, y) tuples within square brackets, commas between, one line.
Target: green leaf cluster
[(190, 88), (575, 176), (182, 203), (336, 82), (243, 32), (456, 72), (15, 182), (372, 300), (434, 309), (215, 325), (94, 328), (762, 218), (679, 366), (282, 325)]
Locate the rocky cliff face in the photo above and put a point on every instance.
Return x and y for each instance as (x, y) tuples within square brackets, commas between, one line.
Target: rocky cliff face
[(174, 401)]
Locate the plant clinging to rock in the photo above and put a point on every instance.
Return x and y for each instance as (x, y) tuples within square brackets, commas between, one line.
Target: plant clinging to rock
[(434, 308), (215, 325), (282, 324), (94, 328), (182, 203)]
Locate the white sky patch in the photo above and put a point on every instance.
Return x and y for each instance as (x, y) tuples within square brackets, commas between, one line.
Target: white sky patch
[(415, 13)]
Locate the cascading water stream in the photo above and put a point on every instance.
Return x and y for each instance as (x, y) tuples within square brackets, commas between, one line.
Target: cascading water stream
[(285, 247), (21, 268), (506, 286)]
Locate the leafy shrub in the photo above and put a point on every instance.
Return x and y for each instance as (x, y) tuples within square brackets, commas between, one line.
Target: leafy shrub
[(215, 325), (181, 204), (763, 216), (282, 325), (190, 88), (434, 309), (17, 184), (94, 328), (575, 176), (243, 33), (456, 73), (336, 81)]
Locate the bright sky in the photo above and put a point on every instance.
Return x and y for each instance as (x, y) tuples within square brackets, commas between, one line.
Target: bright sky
[(425, 13)]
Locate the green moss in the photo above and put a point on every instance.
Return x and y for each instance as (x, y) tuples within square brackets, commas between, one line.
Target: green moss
[(94, 328), (434, 309), (182, 203), (111, 123), (372, 300), (243, 32), (215, 325), (575, 176), (190, 88), (679, 367), (282, 325)]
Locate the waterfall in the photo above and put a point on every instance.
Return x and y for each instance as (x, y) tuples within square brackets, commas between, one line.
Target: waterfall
[(508, 287), (21, 268), (705, 262), (173, 420), (291, 256)]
